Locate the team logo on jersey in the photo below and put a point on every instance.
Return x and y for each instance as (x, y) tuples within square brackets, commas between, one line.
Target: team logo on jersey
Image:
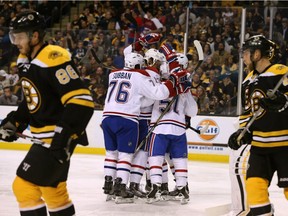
[(211, 132), (54, 54), (31, 95)]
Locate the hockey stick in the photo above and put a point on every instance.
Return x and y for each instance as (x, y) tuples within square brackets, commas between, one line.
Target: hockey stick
[(32, 139), (98, 60), (200, 131), (270, 94), (201, 58)]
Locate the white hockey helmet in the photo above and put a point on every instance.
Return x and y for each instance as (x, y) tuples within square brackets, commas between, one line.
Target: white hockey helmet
[(133, 61), (183, 60), (152, 56)]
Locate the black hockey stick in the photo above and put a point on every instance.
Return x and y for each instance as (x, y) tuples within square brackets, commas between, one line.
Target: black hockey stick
[(201, 58), (270, 94), (200, 131), (99, 62)]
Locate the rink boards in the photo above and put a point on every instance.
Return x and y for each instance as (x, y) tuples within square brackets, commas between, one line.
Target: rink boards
[(209, 146)]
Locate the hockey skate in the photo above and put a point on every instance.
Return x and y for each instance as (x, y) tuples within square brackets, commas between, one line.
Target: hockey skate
[(122, 193), (173, 195), (164, 191), (154, 195), (134, 188), (108, 188), (183, 195), (148, 185)]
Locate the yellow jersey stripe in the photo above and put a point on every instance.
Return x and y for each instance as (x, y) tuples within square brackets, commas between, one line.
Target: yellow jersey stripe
[(71, 94)]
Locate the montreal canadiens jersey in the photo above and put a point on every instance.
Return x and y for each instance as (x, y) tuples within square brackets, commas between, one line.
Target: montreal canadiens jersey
[(147, 103), (173, 122), (270, 129), (127, 91), (49, 83)]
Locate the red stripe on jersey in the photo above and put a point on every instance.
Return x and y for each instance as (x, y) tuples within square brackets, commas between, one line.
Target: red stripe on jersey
[(137, 166), (181, 170), (124, 162), (156, 167), (110, 160)]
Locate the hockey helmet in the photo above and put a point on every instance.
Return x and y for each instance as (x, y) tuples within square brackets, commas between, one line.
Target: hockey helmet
[(133, 61), (27, 21), (260, 42), (182, 60), (152, 56)]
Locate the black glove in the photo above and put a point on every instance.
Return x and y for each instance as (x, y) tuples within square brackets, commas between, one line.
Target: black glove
[(187, 122), (60, 146), (9, 127), (233, 143), (278, 103)]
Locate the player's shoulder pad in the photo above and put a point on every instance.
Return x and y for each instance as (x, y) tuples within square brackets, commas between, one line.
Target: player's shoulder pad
[(279, 69), (248, 77), (51, 56)]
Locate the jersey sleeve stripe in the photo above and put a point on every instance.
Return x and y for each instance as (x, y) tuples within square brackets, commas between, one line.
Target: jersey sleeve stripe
[(81, 102), (74, 93)]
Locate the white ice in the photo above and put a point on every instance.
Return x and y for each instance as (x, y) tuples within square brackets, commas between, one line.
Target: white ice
[(208, 182)]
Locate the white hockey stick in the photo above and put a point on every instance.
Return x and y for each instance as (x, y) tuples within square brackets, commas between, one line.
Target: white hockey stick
[(32, 139), (270, 94), (200, 58)]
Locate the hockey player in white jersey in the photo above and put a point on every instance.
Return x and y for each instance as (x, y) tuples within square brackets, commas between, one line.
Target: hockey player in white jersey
[(169, 135), (153, 60), (127, 89)]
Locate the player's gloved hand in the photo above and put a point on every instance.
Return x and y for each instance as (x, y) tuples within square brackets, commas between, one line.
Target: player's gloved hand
[(278, 103), (150, 38), (187, 121), (9, 127), (178, 77), (60, 146), (233, 142)]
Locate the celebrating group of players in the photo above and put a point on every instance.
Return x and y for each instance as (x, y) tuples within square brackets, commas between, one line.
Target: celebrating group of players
[(137, 95)]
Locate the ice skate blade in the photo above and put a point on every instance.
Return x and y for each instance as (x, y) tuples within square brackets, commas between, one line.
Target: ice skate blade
[(121, 200)]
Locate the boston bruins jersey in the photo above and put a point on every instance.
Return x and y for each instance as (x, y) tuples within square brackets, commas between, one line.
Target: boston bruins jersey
[(270, 129), (50, 85)]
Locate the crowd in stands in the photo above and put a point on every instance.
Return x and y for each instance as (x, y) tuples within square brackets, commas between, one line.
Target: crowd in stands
[(109, 26)]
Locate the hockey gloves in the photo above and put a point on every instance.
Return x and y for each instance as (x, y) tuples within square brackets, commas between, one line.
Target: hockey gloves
[(178, 78), (9, 127), (187, 122), (149, 39), (60, 146), (277, 103), (233, 143), (146, 40)]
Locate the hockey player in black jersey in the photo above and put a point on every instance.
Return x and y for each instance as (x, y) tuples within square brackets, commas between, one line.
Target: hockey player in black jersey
[(57, 107), (268, 133)]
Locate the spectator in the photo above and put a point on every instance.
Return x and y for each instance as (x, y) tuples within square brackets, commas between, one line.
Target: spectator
[(118, 61), (196, 82), (203, 101), (284, 29), (220, 55), (8, 98), (4, 81), (99, 95), (13, 75), (150, 23), (79, 52)]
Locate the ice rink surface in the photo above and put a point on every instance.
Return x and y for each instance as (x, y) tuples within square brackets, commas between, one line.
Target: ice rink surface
[(208, 182)]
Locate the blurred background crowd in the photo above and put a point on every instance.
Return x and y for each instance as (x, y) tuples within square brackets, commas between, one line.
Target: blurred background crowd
[(109, 26)]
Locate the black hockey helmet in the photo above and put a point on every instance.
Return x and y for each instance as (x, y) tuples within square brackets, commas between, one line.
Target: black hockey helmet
[(255, 42), (28, 21)]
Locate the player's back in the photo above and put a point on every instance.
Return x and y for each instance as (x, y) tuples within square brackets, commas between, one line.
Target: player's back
[(173, 122), (127, 89)]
